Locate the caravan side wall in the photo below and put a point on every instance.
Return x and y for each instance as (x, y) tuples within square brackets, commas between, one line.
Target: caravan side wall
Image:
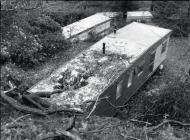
[(99, 29), (120, 91), (131, 19)]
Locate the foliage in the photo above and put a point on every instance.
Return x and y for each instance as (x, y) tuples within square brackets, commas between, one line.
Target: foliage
[(92, 36), (173, 15), (24, 50), (172, 101), (16, 75), (44, 24), (65, 19), (52, 43), (27, 35)]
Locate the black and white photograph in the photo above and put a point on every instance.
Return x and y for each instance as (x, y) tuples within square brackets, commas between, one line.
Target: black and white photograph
[(95, 70)]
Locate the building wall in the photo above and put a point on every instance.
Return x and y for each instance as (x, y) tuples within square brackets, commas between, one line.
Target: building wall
[(131, 19), (160, 57), (119, 92), (97, 29)]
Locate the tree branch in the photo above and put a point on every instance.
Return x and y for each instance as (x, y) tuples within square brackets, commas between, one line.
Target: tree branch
[(64, 134), (169, 122)]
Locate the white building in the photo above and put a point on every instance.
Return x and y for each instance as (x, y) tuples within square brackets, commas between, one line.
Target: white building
[(131, 56), (97, 23), (139, 16), (109, 14)]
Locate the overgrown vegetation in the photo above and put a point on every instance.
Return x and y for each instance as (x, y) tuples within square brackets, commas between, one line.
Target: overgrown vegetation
[(30, 37), (171, 102), (174, 15)]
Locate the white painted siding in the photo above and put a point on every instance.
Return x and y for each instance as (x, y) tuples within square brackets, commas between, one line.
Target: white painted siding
[(160, 57), (119, 89), (96, 30), (83, 25)]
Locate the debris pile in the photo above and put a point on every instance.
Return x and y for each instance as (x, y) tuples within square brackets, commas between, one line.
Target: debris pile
[(71, 80)]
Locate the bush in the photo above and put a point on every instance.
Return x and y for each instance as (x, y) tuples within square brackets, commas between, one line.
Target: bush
[(173, 101), (16, 75), (92, 36), (32, 43), (65, 19), (4, 55), (169, 14), (44, 24), (53, 43), (23, 51)]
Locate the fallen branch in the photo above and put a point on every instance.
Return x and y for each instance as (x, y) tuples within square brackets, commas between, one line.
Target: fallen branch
[(15, 125), (130, 137), (64, 134), (169, 122), (94, 107), (29, 99), (64, 110), (21, 117), (133, 120), (47, 94), (21, 107), (27, 109), (114, 106), (71, 123), (103, 128), (97, 99)]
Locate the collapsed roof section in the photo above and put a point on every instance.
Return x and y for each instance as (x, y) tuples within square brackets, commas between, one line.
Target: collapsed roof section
[(92, 71)]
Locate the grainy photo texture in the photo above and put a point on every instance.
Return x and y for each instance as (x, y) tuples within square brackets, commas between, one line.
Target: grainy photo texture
[(95, 70)]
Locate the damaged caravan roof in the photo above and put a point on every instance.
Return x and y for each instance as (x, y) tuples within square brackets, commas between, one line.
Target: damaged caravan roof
[(122, 48), (83, 24)]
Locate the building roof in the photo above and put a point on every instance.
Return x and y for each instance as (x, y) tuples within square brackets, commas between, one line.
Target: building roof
[(137, 14), (122, 49), (83, 24), (109, 14)]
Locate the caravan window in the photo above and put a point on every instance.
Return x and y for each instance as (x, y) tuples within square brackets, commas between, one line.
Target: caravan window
[(140, 68), (164, 45), (119, 90), (152, 56), (130, 79), (151, 66)]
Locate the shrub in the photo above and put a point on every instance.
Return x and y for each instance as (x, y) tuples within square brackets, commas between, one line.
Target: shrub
[(23, 51), (44, 24), (16, 75), (4, 55), (52, 43), (34, 42), (169, 14), (92, 36), (65, 19), (173, 101)]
